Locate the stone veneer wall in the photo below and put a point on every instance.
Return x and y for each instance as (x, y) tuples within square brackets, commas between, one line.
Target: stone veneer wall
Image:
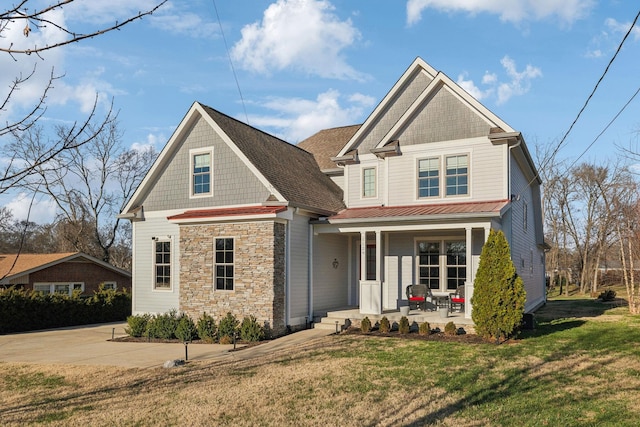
[(259, 262)]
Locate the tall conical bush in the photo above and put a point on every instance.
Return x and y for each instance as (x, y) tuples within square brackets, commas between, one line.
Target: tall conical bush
[(499, 295)]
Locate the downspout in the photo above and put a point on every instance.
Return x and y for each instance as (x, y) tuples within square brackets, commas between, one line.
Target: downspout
[(287, 273), (310, 274)]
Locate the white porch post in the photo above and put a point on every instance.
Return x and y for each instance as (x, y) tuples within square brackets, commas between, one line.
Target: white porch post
[(370, 290), (378, 256), (468, 286), (363, 255)]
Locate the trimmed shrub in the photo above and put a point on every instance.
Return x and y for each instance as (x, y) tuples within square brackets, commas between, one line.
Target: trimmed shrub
[(365, 325), (228, 326), (251, 330), (403, 326), (385, 326), (163, 326), (424, 328), (499, 295), (137, 325), (186, 330), (207, 329), (450, 329)]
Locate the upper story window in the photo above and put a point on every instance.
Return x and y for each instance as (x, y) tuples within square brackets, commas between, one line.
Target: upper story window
[(224, 248), (162, 265), (429, 177), (369, 182), (457, 175), (201, 167)]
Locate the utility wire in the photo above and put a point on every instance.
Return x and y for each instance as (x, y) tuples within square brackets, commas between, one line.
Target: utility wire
[(231, 62)]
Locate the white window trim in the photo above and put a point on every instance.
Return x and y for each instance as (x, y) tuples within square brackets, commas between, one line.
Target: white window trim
[(442, 258), (444, 176), (375, 183), (153, 264), (110, 282), (417, 177), (235, 241), (192, 153), (52, 286)]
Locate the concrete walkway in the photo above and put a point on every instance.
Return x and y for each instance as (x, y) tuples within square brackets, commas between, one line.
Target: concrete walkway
[(91, 345)]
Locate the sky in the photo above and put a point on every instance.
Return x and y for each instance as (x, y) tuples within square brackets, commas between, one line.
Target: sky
[(294, 67)]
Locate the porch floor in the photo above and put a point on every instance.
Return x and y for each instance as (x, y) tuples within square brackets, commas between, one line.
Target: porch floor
[(344, 316)]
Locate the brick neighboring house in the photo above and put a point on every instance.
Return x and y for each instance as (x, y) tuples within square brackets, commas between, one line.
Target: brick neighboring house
[(61, 273)]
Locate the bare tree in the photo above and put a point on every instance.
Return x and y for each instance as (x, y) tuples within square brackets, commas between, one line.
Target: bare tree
[(32, 17), (90, 184)]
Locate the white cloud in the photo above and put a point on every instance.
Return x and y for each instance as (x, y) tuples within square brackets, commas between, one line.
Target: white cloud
[(303, 35), (514, 11), (153, 140), (518, 82), (173, 20), (297, 119), (621, 28), (43, 210)]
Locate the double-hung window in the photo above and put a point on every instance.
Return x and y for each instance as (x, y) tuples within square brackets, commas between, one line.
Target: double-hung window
[(224, 267), (429, 177), (369, 182), (457, 175), (201, 168), (162, 264)]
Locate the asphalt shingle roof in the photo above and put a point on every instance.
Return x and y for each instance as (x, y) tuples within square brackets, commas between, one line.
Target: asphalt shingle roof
[(327, 143)]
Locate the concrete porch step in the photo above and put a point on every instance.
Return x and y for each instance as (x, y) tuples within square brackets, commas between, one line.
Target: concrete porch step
[(332, 323)]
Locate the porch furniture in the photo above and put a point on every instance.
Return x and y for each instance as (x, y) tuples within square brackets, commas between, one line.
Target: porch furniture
[(457, 299), (419, 296), (441, 299)]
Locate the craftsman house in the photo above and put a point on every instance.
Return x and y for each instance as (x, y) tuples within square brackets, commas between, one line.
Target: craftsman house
[(231, 219), (64, 273)]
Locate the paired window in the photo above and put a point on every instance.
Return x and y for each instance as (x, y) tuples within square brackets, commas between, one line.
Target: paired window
[(58, 288), (456, 176), (369, 182), (224, 267), (162, 265), (437, 267), (201, 167)]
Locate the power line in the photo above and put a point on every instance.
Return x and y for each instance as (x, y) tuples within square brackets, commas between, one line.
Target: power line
[(233, 70)]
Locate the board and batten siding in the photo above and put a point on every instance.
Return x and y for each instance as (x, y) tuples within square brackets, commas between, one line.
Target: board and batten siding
[(233, 183), (399, 269), (145, 298), (298, 269), (330, 285)]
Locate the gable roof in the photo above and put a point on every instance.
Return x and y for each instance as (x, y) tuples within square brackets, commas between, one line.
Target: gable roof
[(327, 143), (14, 265), (291, 173)]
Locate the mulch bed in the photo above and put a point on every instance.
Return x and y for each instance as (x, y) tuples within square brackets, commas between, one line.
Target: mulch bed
[(433, 336)]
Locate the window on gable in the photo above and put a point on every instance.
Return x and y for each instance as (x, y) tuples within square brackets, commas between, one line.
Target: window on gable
[(224, 267), (369, 182), (457, 175), (429, 177), (162, 264), (201, 173)]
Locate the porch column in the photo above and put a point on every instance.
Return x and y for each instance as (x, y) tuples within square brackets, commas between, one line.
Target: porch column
[(468, 285), (378, 256), (363, 255)]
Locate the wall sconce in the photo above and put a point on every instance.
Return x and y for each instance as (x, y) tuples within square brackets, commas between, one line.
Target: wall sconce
[(335, 263)]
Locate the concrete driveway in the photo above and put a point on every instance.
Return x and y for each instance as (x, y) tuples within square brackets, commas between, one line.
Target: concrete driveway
[(91, 345)]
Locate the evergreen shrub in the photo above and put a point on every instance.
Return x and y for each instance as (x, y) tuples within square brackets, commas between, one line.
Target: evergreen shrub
[(365, 325), (207, 329), (403, 326), (424, 328), (385, 326), (251, 330)]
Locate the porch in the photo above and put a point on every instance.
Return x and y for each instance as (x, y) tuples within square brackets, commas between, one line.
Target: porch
[(341, 318)]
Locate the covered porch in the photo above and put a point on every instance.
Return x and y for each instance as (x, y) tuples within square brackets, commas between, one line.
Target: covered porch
[(387, 249)]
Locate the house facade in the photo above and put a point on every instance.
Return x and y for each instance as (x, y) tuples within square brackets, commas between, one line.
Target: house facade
[(64, 273), (231, 219)]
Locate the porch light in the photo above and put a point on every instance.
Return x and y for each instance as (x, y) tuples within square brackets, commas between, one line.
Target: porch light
[(335, 263)]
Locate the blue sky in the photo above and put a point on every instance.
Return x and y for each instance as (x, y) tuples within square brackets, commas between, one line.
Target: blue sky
[(306, 65)]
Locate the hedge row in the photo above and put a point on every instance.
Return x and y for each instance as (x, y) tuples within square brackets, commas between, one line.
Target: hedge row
[(25, 310)]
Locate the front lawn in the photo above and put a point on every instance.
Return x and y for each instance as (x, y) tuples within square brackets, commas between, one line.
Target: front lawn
[(579, 367)]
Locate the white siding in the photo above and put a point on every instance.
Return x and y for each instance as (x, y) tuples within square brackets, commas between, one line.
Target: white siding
[(299, 269), (329, 285), (399, 268), (145, 298)]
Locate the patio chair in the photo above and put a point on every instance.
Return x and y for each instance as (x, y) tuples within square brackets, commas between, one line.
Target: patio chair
[(456, 299), (419, 296)]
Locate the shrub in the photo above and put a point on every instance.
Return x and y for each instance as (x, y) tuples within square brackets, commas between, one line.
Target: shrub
[(228, 326), (251, 330), (207, 329), (385, 326), (450, 329), (365, 325), (608, 295), (163, 326), (499, 294), (424, 328), (403, 326), (137, 325), (186, 330), (225, 339)]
